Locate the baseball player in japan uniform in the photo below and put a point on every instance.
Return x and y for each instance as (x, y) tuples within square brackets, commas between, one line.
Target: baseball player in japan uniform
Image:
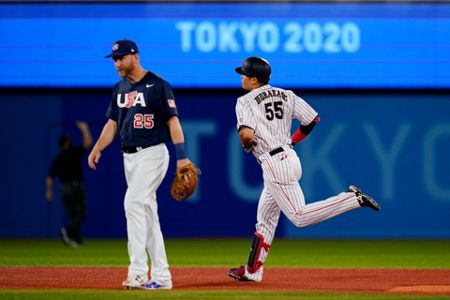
[(144, 115), (264, 120)]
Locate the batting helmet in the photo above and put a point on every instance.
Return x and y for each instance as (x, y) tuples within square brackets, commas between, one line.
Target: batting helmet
[(255, 67)]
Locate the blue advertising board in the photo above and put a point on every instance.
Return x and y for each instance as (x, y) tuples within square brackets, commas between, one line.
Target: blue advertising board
[(394, 146), (324, 45)]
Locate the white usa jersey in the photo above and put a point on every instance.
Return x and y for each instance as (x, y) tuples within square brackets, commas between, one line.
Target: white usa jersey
[(269, 111)]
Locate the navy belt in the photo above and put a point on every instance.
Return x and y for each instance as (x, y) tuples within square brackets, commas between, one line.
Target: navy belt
[(130, 150), (273, 152), (276, 151)]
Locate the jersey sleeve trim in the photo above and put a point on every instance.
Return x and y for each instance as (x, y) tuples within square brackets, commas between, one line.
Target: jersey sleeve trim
[(245, 126)]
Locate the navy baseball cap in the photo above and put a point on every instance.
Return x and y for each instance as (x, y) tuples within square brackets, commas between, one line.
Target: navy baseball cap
[(255, 67), (123, 47)]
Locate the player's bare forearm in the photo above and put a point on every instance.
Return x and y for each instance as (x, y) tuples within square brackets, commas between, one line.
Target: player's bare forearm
[(49, 189), (176, 132), (177, 136), (106, 137), (246, 135)]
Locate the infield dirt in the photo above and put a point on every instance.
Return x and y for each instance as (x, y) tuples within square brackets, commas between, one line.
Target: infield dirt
[(419, 281)]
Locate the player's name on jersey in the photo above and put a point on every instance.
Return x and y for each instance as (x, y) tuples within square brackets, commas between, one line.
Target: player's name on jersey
[(270, 93)]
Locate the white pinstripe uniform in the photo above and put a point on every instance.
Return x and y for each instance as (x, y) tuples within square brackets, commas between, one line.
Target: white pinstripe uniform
[(269, 111)]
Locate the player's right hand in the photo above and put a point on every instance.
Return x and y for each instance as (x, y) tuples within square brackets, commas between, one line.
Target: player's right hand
[(247, 149), (94, 158)]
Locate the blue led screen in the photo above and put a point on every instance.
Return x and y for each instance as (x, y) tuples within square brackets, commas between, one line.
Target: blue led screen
[(198, 45)]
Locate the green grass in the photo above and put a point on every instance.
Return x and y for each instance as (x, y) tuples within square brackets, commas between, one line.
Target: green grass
[(225, 253)]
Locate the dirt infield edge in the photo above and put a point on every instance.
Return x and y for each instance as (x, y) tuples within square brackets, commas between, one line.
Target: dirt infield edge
[(403, 281)]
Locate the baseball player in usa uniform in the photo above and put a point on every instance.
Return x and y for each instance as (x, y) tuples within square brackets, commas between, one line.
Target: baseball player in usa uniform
[(143, 114), (264, 119)]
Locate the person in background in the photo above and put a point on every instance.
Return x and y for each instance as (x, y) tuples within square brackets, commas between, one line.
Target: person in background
[(67, 166)]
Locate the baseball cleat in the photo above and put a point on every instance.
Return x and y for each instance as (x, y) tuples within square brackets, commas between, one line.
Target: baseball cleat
[(134, 282), (363, 199), (74, 244), (67, 240), (238, 273), (65, 236), (152, 285)]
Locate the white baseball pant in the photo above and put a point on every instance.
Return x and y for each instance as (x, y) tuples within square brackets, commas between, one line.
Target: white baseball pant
[(144, 172)]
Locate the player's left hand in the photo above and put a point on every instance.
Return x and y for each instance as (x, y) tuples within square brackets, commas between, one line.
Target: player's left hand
[(185, 181), (183, 162)]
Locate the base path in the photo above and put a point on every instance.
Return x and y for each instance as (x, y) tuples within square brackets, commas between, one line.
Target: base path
[(402, 281)]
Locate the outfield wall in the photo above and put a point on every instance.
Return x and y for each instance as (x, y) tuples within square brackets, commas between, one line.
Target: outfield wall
[(393, 145)]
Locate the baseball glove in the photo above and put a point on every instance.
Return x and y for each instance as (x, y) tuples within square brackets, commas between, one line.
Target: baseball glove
[(185, 182)]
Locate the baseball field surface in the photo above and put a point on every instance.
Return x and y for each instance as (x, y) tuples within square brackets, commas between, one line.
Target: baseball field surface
[(295, 269)]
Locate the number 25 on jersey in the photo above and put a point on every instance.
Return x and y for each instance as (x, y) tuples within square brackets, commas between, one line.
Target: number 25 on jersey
[(143, 121)]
